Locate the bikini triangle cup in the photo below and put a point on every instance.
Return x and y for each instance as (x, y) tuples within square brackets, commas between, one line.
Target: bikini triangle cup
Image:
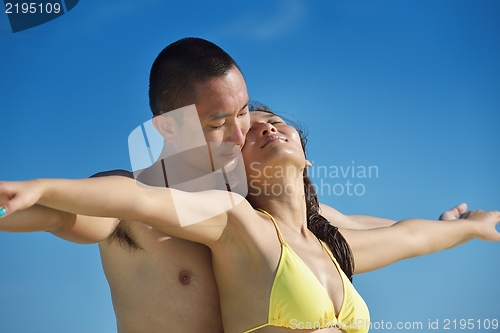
[(298, 300)]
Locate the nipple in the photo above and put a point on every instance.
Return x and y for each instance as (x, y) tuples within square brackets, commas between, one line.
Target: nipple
[(185, 277)]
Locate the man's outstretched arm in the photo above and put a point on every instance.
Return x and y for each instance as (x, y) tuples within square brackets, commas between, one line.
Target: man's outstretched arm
[(370, 222), (376, 248), (74, 228)]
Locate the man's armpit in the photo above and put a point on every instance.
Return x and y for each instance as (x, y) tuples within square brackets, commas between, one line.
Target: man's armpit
[(122, 233), (124, 236)]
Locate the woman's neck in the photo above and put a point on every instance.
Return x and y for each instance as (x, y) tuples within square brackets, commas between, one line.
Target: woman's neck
[(282, 197)]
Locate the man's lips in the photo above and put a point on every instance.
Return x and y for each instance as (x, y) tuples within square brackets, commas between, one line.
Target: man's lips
[(272, 138), (231, 154), (225, 151)]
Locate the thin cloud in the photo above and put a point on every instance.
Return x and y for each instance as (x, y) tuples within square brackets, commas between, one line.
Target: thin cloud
[(114, 11), (259, 27)]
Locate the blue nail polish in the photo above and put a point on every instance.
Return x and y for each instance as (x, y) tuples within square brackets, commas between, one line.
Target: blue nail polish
[(2, 212)]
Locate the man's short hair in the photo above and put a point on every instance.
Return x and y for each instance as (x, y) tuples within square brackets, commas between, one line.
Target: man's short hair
[(179, 67)]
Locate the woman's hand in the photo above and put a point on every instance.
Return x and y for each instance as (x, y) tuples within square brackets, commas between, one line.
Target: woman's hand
[(484, 224), (15, 196)]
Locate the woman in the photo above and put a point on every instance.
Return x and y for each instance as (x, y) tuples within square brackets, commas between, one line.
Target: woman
[(273, 273)]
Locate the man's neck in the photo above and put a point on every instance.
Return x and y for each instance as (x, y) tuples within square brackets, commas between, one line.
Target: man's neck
[(172, 170)]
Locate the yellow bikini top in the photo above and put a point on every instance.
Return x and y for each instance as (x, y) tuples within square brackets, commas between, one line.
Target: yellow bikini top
[(299, 301)]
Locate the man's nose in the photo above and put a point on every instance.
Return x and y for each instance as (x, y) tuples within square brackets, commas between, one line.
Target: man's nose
[(235, 135)]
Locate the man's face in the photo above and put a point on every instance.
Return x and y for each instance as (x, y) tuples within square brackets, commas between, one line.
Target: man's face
[(222, 105)]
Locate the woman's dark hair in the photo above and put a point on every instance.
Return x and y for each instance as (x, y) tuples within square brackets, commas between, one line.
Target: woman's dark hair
[(318, 224)]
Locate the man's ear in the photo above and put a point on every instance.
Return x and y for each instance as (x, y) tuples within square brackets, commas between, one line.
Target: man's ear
[(308, 164), (166, 125)]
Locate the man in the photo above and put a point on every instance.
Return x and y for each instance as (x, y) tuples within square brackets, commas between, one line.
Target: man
[(160, 283)]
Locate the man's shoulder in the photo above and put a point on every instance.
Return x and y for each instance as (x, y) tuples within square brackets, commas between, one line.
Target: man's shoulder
[(117, 172), (123, 235)]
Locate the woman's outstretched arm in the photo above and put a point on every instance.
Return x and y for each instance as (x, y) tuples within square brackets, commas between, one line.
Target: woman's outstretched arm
[(376, 248), (167, 210)]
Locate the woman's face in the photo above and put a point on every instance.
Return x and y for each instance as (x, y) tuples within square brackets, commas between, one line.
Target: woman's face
[(271, 145)]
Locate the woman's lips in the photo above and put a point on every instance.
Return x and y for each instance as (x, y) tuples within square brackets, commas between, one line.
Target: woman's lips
[(272, 138)]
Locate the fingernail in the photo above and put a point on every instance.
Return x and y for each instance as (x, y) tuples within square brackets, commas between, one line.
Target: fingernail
[(2, 212)]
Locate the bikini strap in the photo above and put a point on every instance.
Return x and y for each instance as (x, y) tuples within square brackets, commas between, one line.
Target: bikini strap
[(330, 254), (275, 224), (257, 328)]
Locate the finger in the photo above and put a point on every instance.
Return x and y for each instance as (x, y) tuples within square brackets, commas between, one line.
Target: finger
[(453, 213), (461, 208), (497, 216), (11, 206), (4, 197)]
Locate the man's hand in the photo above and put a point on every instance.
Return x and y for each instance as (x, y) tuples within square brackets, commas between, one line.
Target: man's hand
[(19, 195), (484, 224), (454, 213)]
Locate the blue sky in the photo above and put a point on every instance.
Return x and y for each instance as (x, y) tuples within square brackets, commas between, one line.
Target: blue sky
[(408, 88)]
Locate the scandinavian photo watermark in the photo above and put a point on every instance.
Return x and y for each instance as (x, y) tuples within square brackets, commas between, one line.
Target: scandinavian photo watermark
[(340, 180), (25, 15), (327, 180), (431, 324)]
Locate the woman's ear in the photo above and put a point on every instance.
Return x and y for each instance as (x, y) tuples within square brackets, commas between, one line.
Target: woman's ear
[(166, 125), (308, 164)]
